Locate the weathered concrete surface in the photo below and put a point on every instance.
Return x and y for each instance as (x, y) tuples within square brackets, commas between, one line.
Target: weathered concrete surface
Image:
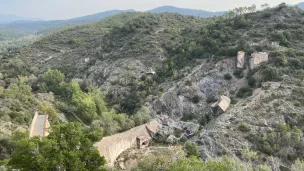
[(240, 59), (257, 58), (112, 146), (221, 105), (39, 125)]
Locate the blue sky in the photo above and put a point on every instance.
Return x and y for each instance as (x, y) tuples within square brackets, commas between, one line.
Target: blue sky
[(64, 9)]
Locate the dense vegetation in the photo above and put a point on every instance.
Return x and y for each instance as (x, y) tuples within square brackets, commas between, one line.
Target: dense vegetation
[(22, 92), (181, 163), (66, 148), (11, 40)]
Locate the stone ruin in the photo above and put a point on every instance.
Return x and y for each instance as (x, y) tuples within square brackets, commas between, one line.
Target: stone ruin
[(240, 59), (257, 58), (39, 125), (139, 137), (221, 105)]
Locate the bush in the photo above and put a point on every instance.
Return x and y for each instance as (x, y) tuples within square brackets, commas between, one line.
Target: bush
[(244, 127), (53, 79), (227, 76), (143, 115), (191, 149), (244, 92), (238, 73), (67, 147), (196, 99), (297, 104), (252, 82), (233, 101), (188, 117), (270, 74)]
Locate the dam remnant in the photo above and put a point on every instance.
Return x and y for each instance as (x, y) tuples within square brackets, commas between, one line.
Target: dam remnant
[(139, 137)]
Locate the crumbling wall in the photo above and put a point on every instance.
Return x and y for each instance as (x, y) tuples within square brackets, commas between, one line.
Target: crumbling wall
[(112, 146), (240, 59), (39, 125), (257, 58)]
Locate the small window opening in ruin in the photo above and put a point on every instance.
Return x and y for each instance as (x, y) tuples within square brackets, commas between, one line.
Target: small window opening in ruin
[(145, 143)]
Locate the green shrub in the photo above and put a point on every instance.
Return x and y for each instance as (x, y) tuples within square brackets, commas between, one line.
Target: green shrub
[(143, 115), (297, 104), (233, 101), (196, 99), (244, 127), (244, 92), (205, 120), (227, 76), (191, 149), (53, 80), (270, 74), (188, 117), (252, 82), (238, 73)]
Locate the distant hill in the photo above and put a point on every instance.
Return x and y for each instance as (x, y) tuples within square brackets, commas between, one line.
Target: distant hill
[(97, 16), (6, 18), (301, 5), (185, 11), (34, 26)]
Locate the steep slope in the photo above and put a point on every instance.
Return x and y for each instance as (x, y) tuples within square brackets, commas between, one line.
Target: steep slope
[(185, 11), (191, 57)]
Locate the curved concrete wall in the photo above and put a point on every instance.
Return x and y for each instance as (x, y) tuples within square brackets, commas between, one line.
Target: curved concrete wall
[(112, 146)]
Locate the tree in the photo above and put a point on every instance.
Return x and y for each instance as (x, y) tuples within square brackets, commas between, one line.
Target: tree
[(143, 115), (53, 79), (191, 149), (66, 148)]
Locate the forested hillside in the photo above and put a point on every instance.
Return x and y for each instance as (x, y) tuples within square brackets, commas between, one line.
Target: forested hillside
[(123, 70)]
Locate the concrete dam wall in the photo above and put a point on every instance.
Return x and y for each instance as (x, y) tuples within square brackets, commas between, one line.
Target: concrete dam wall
[(112, 146)]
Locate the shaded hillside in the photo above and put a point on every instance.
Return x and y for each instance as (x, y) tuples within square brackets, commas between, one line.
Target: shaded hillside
[(184, 11)]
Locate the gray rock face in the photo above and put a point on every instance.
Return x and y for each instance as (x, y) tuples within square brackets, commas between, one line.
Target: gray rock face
[(173, 132), (210, 85)]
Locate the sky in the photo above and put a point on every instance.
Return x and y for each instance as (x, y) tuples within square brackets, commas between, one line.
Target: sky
[(65, 9)]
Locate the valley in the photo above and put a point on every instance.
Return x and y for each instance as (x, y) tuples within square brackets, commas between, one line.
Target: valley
[(226, 92)]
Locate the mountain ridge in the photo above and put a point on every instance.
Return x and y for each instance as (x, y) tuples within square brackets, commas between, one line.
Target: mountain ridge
[(185, 11), (34, 26), (8, 18), (301, 5)]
